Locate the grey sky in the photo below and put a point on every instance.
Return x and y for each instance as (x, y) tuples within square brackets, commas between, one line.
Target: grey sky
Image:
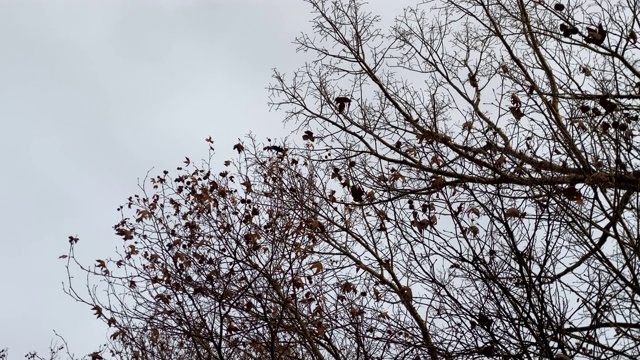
[(95, 93)]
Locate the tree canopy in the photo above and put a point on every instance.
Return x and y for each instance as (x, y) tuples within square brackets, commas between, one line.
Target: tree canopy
[(461, 185)]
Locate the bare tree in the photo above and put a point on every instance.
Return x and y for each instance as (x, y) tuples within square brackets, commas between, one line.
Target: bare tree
[(58, 349), (465, 187)]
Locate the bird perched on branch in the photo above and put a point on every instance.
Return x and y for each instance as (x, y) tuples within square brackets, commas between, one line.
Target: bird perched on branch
[(275, 148), (343, 102), (595, 36)]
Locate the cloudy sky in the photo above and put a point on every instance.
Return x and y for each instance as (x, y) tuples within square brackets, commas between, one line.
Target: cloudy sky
[(93, 94)]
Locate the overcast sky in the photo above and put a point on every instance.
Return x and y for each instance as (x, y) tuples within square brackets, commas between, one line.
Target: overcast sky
[(93, 94)]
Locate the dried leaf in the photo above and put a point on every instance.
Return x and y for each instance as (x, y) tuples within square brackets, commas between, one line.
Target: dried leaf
[(573, 194), (297, 282), (247, 185), (348, 287), (238, 147), (512, 213), (397, 176), (97, 311), (438, 182), (516, 112), (317, 266), (515, 101), (124, 233), (357, 193)]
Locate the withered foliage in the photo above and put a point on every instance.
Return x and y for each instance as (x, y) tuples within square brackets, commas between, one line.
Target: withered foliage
[(479, 199)]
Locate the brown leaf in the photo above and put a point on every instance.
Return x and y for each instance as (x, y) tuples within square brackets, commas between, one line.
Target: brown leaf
[(516, 112), (371, 195), (238, 147), (95, 356), (573, 194), (116, 334), (376, 295), (585, 70), (247, 184), (63, 256), (317, 266), (297, 282), (357, 193), (438, 182), (512, 213), (515, 101), (124, 233), (397, 176), (97, 311), (348, 287)]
